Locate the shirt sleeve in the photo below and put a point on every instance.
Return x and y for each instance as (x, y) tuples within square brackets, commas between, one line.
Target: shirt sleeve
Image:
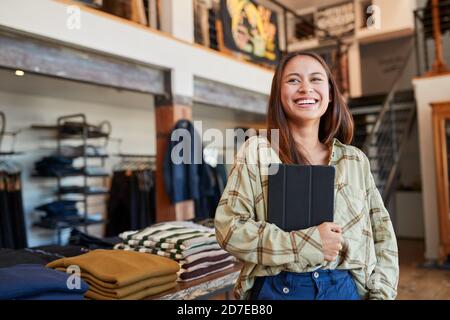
[(259, 242), (383, 281)]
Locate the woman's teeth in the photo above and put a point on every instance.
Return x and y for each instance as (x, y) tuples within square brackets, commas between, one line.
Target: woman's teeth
[(306, 101)]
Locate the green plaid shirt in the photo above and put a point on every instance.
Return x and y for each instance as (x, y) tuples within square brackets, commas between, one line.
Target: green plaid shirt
[(369, 244)]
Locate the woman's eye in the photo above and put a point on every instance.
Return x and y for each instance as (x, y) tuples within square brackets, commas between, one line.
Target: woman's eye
[(293, 81), (316, 79)]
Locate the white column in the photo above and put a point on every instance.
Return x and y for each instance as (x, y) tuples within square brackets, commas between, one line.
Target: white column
[(354, 70), (183, 82), (177, 18), (428, 90)]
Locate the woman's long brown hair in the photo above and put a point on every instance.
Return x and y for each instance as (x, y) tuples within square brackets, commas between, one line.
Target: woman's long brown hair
[(337, 122)]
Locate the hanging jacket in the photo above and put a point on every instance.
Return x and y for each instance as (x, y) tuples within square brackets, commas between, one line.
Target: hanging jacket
[(182, 180)]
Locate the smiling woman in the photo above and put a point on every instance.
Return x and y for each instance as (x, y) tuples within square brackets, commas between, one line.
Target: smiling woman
[(354, 256), (306, 96)]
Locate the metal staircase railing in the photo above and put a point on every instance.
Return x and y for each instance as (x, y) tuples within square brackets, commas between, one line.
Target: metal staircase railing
[(385, 142), (424, 33)]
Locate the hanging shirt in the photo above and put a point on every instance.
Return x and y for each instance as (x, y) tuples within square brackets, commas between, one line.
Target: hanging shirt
[(369, 245)]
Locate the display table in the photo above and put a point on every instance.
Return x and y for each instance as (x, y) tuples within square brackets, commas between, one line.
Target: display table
[(215, 284)]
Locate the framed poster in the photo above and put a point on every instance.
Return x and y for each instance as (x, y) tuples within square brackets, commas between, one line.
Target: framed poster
[(251, 29)]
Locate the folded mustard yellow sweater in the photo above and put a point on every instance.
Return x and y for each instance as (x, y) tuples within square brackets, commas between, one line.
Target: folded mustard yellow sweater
[(95, 295), (120, 293), (117, 268)]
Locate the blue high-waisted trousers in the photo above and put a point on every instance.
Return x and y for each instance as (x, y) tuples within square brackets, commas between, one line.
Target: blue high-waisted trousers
[(317, 285)]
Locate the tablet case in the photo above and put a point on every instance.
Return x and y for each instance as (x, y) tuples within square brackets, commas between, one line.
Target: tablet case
[(301, 196)]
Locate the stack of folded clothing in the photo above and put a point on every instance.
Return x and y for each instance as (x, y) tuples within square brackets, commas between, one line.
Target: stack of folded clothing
[(59, 211), (203, 264), (80, 151), (56, 166), (69, 128), (36, 282), (195, 247), (125, 275), (82, 189)]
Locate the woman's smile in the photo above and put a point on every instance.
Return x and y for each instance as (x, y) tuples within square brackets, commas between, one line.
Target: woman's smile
[(306, 102)]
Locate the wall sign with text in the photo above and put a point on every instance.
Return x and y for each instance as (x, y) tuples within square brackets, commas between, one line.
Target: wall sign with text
[(338, 20)]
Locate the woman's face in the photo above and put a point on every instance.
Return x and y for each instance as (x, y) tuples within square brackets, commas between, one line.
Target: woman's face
[(305, 92)]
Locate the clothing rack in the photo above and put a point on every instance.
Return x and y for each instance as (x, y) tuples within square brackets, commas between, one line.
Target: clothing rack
[(135, 162), (131, 203), (12, 221)]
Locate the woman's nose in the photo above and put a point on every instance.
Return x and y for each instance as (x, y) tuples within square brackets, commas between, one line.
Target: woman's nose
[(305, 87)]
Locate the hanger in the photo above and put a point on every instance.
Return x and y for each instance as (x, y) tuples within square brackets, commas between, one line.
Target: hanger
[(134, 164)]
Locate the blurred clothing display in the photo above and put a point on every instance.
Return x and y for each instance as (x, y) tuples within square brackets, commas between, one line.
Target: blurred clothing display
[(82, 189), (56, 166), (93, 171), (182, 175), (59, 208), (78, 151), (12, 221), (131, 204), (71, 128), (190, 177)]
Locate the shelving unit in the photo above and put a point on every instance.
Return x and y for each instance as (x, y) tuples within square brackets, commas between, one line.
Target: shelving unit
[(84, 191)]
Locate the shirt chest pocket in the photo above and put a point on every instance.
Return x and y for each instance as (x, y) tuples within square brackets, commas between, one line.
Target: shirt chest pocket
[(350, 211)]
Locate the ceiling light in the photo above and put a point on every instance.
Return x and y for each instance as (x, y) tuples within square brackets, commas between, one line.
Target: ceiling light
[(20, 73)]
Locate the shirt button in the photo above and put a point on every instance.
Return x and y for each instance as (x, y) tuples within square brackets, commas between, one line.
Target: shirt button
[(316, 275), (286, 290)]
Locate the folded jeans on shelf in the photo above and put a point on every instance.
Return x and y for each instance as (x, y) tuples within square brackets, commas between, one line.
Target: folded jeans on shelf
[(59, 208), (55, 160), (78, 151), (81, 189)]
